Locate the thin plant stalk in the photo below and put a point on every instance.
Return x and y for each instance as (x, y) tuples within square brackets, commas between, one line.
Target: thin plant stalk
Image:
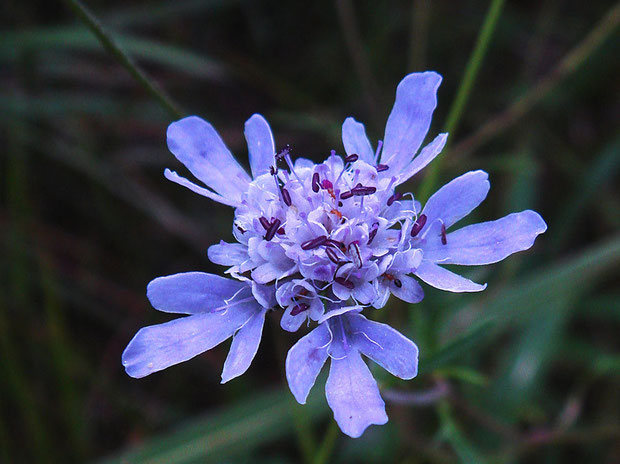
[(469, 78), (524, 103), (327, 444), (113, 47)]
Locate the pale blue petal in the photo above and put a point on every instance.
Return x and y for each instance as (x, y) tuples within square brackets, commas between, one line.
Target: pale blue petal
[(305, 360), (264, 294), (198, 146), (443, 279), (428, 154), (244, 346), (353, 395), (228, 254), (339, 311), (383, 293), (408, 123), (410, 291), (261, 146), (292, 323), (458, 198), (356, 142), (174, 177), (195, 292), (157, 347), (384, 345), (268, 272), (365, 293), (488, 242)]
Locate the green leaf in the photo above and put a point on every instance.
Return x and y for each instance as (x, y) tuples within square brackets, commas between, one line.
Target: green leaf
[(451, 432), (233, 432)]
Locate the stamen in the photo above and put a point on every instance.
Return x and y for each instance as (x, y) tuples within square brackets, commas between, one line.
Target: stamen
[(314, 243), (283, 153), (379, 147), (418, 225), (327, 184), (351, 158), (373, 232), (333, 257), (346, 195), (286, 154), (315, 182), (240, 229), (356, 255), (398, 283), (286, 197), (359, 190), (344, 282), (281, 231), (273, 228), (264, 222), (393, 198), (278, 188), (335, 243), (300, 308), (382, 167), (444, 238)]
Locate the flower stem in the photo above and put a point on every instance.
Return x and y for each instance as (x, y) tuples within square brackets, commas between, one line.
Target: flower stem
[(113, 47), (525, 102), (467, 83), (327, 445)]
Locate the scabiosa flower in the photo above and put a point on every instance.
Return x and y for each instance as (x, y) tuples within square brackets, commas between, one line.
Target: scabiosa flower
[(322, 242)]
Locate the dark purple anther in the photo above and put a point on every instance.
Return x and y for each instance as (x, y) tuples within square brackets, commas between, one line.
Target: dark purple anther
[(340, 204), (398, 283), (281, 231), (273, 228), (335, 243), (360, 190), (282, 153), (351, 158), (300, 308), (264, 222), (373, 232), (382, 167), (444, 239), (393, 198), (344, 282), (346, 195), (240, 229), (315, 182), (418, 225), (314, 243), (331, 254), (327, 184), (286, 197)]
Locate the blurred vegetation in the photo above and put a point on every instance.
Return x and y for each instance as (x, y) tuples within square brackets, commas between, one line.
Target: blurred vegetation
[(527, 371)]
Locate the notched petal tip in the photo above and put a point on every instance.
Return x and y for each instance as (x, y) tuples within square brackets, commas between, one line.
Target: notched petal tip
[(538, 224)]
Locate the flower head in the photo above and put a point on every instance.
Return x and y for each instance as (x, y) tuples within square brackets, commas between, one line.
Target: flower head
[(322, 242)]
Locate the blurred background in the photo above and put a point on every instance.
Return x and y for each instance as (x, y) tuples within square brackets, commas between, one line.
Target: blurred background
[(527, 371)]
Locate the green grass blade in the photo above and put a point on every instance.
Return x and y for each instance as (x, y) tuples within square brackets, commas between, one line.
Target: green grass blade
[(462, 94), (234, 432)]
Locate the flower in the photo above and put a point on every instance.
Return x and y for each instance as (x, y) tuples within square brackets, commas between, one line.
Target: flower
[(322, 242), (351, 391)]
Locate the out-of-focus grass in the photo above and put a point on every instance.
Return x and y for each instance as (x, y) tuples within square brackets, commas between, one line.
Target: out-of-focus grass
[(526, 371)]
